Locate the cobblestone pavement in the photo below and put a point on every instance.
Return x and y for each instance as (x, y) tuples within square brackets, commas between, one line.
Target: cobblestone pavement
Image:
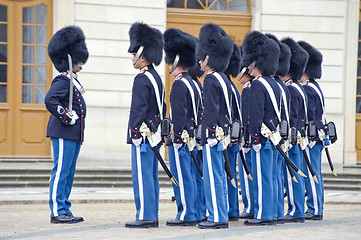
[(106, 210)]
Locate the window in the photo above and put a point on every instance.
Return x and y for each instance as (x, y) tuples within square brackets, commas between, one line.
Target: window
[(358, 89), (216, 5), (3, 53)]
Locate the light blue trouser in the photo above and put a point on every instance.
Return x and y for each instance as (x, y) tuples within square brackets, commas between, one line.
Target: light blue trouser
[(62, 175), (295, 191), (278, 184), (262, 174), (315, 194), (145, 182), (200, 198), (246, 184), (233, 205), (181, 167), (215, 183)]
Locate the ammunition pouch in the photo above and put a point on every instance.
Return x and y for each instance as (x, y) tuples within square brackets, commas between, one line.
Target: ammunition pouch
[(331, 131), (198, 133), (284, 129), (236, 133), (293, 136), (312, 131), (165, 127)]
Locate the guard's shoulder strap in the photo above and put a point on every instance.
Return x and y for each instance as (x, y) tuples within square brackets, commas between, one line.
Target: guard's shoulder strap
[(190, 89), (321, 99), (225, 93), (199, 92), (303, 96), (156, 90), (272, 96), (238, 105), (284, 97)]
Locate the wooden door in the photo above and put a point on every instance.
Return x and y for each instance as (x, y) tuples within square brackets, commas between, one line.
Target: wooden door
[(26, 75)]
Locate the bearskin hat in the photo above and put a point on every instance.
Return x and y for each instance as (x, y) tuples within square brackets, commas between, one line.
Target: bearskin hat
[(140, 34), (299, 58), (285, 56), (177, 42), (313, 67), (195, 71), (234, 65), (257, 47), (214, 42), (68, 40)]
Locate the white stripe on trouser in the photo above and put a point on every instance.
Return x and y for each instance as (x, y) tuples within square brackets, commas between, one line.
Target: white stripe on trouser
[(259, 181), (246, 186), (290, 193), (213, 187), (181, 184), (57, 176), (140, 183), (313, 187)]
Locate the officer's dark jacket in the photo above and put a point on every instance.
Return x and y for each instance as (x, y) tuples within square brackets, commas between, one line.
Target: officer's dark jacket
[(56, 101), (261, 108), (245, 99), (235, 113), (144, 105), (215, 108), (181, 106), (288, 98), (201, 103), (297, 108), (314, 105)]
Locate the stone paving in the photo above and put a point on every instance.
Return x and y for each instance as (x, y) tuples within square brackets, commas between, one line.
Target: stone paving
[(106, 210)]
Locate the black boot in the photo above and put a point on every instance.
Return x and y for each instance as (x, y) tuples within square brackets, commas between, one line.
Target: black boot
[(142, 224)]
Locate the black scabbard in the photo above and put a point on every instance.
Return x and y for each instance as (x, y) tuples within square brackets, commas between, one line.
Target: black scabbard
[(291, 172), (245, 164), (307, 160), (227, 167), (196, 163), (288, 160), (330, 161), (160, 159)]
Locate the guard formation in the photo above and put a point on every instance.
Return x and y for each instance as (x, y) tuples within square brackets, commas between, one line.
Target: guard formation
[(275, 130)]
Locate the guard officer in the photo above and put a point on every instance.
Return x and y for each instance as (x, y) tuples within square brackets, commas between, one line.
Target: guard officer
[(214, 50), (315, 197), (298, 120), (264, 53), (65, 127), (180, 55), (147, 109)]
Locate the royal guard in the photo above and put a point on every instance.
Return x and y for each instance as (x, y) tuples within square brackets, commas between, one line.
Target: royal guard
[(180, 55), (298, 120), (144, 129), (201, 211), (213, 51), (261, 54), (316, 116), (65, 101), (279, 161), (233, 69), (246, 184)]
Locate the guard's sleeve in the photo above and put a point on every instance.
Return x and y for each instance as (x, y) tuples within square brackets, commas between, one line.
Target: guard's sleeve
[(57, 94), (178, 100), (139, 104), (212, 94), (256, 106), (311, 104), (294, 107)]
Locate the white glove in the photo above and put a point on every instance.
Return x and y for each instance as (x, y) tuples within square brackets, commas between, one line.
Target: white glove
[(177, 145), (212, 142), (257, 147), (246, 150), (311, 144), (73, 117), (137, 142)]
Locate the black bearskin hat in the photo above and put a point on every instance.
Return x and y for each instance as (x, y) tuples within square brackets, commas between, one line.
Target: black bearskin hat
[(68, 40), (257, 47), (140, 34), (299, 58), (180, 43), (214, 42), (195, 71), (313, 67), (234, 65), (285, 56)]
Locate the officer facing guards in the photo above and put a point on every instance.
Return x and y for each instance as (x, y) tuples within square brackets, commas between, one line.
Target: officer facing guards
[(146, 112), (214, 50), (66, 123), (180, 55)]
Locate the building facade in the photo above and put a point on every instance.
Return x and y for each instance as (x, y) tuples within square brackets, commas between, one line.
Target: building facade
[(26, 72)]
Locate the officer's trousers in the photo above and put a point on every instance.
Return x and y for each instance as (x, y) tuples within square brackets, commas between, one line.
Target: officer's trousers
[(315, 194), (200, 198), (233, 205), (278, 184), (215, 183), (262, 174), (145, 182), (295, 191), (62, 175), (246, 184), (181, 167)]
